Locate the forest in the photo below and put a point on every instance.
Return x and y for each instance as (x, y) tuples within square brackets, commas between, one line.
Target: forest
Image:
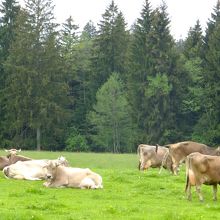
[(108, 87)]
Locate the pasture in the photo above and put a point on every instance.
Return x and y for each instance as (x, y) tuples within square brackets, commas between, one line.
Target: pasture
[(127, 194)]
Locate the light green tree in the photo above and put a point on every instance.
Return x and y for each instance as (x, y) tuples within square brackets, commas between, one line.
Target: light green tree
[(111, 118)]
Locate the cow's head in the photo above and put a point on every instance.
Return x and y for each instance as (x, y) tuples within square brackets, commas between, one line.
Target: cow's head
[(12, 151), (144, 165), (51, 167)]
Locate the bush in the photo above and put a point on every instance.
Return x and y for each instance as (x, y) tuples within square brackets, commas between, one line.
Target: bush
[(76, 142)]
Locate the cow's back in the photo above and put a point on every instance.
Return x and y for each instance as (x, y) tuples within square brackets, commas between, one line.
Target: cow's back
[(183, 149)]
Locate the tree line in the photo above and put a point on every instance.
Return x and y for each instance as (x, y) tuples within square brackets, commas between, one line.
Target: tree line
[(108, 87)]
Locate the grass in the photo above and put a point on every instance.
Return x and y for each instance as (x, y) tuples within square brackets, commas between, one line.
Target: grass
[(127, 194)]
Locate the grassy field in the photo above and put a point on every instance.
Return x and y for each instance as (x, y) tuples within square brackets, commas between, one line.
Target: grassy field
[(127, 193)]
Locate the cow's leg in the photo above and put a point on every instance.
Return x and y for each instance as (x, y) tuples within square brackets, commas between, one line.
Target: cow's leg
[(188, 192), (198, 190), (18, 177), (87, 183), (215, 192), (175, 168)]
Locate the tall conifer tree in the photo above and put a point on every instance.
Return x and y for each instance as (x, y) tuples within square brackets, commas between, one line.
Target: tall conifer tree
[(208, 127), (36, 89)]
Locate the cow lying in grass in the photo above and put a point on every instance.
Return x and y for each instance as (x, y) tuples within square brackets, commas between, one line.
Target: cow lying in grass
[(30, 170), (11, 158), (60, 176)]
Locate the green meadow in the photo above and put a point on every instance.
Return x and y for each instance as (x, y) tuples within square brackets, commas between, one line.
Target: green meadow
[(127, 194)]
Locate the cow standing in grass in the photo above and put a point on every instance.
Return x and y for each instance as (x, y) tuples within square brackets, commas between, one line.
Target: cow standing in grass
[(179, 152), (202, 169), (153, 156), (60, 176)]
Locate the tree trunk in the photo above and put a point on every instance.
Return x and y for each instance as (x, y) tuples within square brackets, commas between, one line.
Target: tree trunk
[(38, 139)]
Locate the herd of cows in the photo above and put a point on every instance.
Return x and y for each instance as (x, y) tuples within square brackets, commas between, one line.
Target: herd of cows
[(202, 163), (57, 173), (202, 167)]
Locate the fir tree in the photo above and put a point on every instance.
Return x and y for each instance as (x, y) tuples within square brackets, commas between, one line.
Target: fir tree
[(36, 90), (208, 126)]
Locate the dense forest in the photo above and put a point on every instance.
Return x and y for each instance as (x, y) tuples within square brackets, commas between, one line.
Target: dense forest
[(108, 87)]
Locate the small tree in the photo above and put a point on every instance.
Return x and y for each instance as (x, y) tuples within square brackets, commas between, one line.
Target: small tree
[(111, 117)]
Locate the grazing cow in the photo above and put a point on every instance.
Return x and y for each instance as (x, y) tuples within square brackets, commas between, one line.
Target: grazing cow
[(179, 152), (153, 156), (11, 158), (202, 169), (60, 176), (30, 170)]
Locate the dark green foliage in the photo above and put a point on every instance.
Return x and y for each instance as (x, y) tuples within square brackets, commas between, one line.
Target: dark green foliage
[(208, 125), (54, 79), (76, 142), (110, 46), (153, 75), (36, 92)]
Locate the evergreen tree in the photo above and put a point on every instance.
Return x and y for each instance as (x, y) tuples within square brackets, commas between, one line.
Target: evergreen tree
[(36, 90), (8, 10), (110, 118), (208, 127), (89, 31), (192, 102), (111, 46), (139, 68), (153, 79)]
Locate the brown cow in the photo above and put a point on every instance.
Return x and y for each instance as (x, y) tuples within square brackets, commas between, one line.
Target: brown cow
[(153, 156), (202, 169), (179, 152), (61, 176), (11, 158)]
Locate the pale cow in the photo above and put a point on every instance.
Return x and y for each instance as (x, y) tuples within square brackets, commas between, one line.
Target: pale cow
[(153, 156), (202, 169), (60, 176), (179, 152), (11, 158), (30, 170)]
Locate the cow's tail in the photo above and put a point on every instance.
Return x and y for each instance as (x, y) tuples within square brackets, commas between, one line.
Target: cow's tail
[(157, 145), (188, 166), (164, 161)]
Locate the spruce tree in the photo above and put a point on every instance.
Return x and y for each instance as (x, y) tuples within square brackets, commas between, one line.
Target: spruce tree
[(139, 68), (9, 10), (192, 101), (110, 46), (36, 90), (208, 126)]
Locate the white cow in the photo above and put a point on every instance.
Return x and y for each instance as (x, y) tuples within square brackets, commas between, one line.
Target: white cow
[(30, 170), (61, 176)]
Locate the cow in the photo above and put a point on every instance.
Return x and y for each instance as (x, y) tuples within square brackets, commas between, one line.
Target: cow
[(153, 156), (202, 169), (179, 152), (11, 158), (29, 170), (59, 176)]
